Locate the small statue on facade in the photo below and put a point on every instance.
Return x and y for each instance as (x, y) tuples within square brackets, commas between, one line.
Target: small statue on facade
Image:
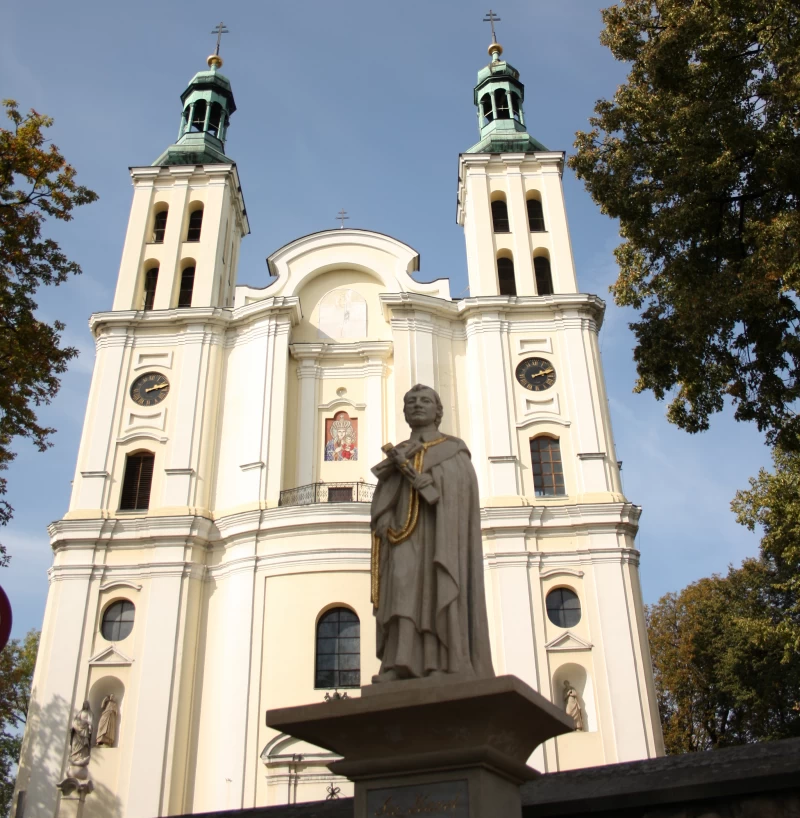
[(80, 737), (572, 705), (427, 553), (107, 726)]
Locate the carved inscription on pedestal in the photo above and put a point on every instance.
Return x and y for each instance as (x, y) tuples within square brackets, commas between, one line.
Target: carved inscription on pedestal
[(445, 798)]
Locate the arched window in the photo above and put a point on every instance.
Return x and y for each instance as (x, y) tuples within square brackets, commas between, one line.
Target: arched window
[(338, 659), (515, 107), (118, 621), (501, 104), (136, 484), (150, 282), (500, 223), (544, 278), (548, 473), (486, 109), (187, 287), (563, 608), (535, 216), (199, 116), (195, 225), (505, 276), (215, 119), (160, 226)]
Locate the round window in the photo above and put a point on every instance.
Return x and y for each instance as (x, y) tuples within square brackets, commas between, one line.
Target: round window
[(118, 621), (563, 608)]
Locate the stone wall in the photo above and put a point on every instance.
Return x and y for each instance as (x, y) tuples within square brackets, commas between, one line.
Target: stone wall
[(757, 781)]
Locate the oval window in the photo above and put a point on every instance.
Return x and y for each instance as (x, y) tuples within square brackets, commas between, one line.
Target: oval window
[(118, 621), (563, 608)]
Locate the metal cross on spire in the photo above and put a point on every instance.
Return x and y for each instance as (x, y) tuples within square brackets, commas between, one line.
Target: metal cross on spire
[(342, 215), (219, 31), (492, 18)]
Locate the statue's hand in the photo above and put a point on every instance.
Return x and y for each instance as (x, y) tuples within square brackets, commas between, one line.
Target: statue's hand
[(422, 481)]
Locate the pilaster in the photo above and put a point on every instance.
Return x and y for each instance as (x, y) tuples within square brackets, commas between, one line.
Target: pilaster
[(307, 356)]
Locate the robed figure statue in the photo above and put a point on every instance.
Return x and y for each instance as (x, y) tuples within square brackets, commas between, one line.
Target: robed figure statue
[(427, 557)]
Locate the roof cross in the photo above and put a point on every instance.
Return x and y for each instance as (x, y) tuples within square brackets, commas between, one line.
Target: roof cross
[(492, 18), (342, 215), (219, 30)]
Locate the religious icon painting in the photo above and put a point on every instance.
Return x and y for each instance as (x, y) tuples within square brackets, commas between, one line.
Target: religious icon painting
[(341, 437)]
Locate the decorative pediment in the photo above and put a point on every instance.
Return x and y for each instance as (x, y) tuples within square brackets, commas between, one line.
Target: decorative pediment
[(567, 641), (111, 657)]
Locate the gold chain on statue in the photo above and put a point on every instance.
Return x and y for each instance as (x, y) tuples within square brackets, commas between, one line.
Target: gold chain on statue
[(396, 537)]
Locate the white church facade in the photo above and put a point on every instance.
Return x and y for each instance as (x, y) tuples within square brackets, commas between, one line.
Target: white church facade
[(214, 561)]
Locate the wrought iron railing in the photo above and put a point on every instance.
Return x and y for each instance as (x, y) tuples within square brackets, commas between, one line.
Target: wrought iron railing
[(327, 493)]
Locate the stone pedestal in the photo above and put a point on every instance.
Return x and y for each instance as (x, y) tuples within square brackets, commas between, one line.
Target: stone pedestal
[(431, 747)]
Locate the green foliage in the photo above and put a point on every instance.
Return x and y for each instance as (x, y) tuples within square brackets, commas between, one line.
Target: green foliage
[(698, 156), (773, 503), (17, 662), (35, 182), (722, 674)]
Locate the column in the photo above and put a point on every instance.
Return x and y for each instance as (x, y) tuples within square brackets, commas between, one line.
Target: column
[(44, 754), (188, 408), (276, 409), (520, 231), (307, 356), (478, 229), (375, 413), (155, 686), (501, 448), (170, 250), (98, 428), (622, 676), (555, 214)]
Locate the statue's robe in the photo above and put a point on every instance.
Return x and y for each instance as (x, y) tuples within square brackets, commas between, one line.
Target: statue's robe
[(431, 612)]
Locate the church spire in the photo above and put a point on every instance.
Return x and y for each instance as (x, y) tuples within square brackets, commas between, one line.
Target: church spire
[(499, 96), (207, 107)]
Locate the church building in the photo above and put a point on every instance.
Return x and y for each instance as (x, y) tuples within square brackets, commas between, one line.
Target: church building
[(214, 562)]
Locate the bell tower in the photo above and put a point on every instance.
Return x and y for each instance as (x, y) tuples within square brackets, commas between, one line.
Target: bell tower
[(510, 202), (188, 215)]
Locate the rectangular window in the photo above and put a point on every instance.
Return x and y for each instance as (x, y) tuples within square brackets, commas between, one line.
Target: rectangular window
[(548, 472), (138, 480)]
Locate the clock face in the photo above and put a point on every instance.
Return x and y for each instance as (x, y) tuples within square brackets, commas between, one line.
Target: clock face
[(149, 389), (536, 374)]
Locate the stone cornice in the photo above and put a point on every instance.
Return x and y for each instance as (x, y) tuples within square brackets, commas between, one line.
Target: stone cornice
[(199, 174), (190, 318), (562, 307)]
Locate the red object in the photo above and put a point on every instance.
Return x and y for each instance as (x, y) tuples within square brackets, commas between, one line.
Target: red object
[(6, 620)]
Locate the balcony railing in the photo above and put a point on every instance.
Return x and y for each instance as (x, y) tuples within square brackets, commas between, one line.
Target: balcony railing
[(328, 493)]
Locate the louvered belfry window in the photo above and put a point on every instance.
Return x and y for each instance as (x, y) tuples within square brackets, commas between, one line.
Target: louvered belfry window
[(137, 482)]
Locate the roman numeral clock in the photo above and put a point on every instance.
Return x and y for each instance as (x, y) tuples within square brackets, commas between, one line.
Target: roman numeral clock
[(536, 374)]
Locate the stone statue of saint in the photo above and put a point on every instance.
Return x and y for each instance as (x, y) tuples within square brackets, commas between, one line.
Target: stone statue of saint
[(572, 705), (427, 556), (80, 737), (107, 726)]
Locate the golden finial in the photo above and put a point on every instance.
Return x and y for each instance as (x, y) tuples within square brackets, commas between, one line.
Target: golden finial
[(495, 49), (215, 61)]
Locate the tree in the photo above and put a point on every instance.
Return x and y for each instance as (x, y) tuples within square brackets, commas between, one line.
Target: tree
[(35, 182), (698, 156), (17, 662), (773, 504), (721, 671)]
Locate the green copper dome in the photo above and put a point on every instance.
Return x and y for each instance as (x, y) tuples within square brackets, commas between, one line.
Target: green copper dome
[(498, 96), (207, 107)]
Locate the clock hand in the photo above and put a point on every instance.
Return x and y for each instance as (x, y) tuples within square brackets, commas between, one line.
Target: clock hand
[(157, 386), (544, 372)]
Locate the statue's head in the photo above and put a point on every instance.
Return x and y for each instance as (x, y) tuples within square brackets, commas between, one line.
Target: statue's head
[(422, 406), (86, 705)]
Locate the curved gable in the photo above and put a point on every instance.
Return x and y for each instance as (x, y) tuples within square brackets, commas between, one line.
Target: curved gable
[(388, 260)]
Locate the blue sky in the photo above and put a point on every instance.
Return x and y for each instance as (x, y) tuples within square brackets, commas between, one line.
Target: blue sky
[(358, 105)]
